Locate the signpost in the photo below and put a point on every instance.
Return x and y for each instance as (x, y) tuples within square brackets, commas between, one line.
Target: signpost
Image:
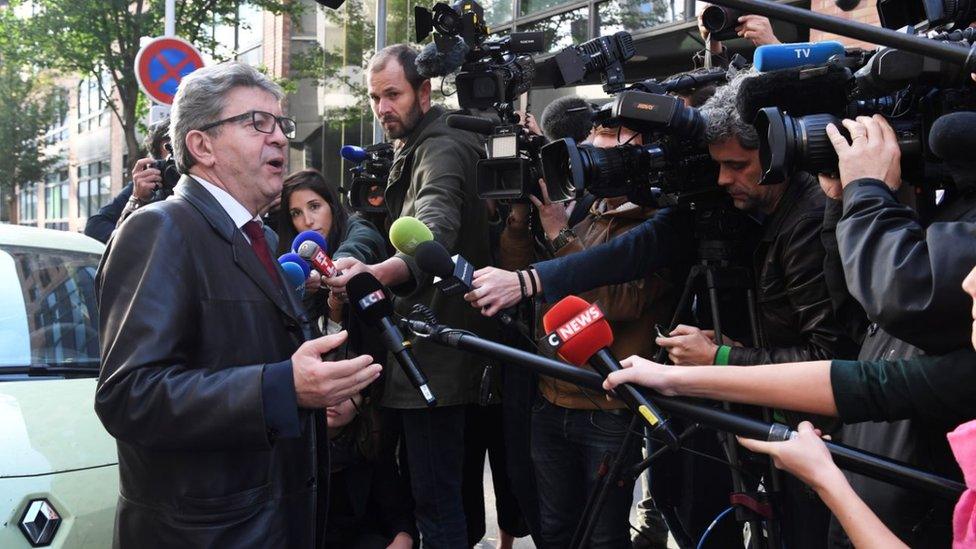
[(162, 63)]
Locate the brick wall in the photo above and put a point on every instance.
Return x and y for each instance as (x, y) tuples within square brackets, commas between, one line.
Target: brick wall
[(865, 12)]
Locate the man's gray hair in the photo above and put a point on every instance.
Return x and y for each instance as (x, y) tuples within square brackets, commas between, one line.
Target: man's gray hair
[(201, 99), (722, 120)]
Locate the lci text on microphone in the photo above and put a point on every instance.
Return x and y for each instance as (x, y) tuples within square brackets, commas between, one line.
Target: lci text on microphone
[(368, 298)]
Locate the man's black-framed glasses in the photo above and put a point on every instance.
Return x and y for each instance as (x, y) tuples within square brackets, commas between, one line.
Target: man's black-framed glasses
[(263, 122)]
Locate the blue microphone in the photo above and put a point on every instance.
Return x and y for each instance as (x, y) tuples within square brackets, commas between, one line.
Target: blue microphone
[(297, 260), (314, 236), (353, 153), (774, 57), (294, 276)]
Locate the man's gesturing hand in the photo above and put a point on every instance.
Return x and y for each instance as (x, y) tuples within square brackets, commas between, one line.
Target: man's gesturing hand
[(319, 383), (872, 152), (495, 289)]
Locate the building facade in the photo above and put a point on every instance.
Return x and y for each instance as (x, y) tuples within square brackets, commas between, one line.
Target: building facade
[(320, 56)]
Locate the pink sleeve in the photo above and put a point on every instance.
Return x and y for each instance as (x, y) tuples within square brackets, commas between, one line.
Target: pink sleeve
[(963, 443)]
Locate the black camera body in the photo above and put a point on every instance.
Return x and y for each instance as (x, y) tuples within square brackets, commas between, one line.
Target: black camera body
[(369, 178), (170, 174), (498, 71), (909, 90), (672, 167), (603, 54)]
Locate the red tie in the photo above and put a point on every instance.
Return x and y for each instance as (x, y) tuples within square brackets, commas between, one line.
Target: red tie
[(254, 231)]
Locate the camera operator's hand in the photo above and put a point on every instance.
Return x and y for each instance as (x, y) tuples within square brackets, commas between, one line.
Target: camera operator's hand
[(757, 29), (872, 152), (495, 289), (552, 216), (319, 383), (528, 120), (643, 372), (831, 186), (145, 180), (690, 346), (716, 45), (805, 456), (313, 282)]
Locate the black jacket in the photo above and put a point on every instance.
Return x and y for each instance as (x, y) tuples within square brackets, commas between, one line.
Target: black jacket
[(907, 275), (196, 338), (796, 315)]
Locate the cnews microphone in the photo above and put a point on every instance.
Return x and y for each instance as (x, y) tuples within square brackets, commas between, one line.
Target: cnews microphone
[(314, 236), (368, 298), (452, 274), (772, 57), (407, 232), (579, 333), (311, 252)]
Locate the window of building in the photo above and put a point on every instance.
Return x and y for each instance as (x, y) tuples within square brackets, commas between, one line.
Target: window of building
[(94, 187), (561, 30), (27, 204), (56, 195), (91, 104)]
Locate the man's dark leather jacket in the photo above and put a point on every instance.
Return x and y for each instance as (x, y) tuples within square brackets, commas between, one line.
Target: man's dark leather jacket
[(192, 328), (796, 315)]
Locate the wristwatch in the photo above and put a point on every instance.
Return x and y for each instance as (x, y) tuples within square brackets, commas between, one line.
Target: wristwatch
[(565, 236)]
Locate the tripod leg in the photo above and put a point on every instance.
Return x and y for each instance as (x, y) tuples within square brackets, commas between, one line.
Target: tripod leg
[(594, 503)]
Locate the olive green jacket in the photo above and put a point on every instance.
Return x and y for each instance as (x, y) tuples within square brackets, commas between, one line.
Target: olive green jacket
[(433, 179)]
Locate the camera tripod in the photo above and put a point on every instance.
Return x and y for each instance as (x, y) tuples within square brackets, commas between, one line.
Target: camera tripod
[(717, 272)]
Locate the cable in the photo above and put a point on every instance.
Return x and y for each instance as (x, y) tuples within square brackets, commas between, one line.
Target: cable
[(701, 542)]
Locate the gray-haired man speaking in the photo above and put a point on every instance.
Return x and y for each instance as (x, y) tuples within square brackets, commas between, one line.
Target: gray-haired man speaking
[(205, 383)]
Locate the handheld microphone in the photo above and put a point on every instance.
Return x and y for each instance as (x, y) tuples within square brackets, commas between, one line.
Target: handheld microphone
[(407, 232), (796, 91), (292, 257), (452, 274), (471, 124), (313, 254), (580, 334), (369, 299), (314, 236), (353, 153), (773, 57), (442, 56), (570, 116), (294, 277)]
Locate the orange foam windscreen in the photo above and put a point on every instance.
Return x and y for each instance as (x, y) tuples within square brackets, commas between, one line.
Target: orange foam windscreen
[(580, 327)]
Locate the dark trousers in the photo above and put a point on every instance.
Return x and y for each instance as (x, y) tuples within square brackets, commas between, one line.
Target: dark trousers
[(484, 436), (569, 449), (434, 441)]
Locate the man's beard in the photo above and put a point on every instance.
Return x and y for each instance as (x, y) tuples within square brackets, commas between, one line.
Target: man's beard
[(406, 126)]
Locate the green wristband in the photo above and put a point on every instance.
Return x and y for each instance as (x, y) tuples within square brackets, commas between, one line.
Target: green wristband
[(722, 355)]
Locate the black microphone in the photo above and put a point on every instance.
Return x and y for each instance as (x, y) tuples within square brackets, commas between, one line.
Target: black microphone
[(797, 91), (368, 298), (951, 138), (471, 123), (454, 273), (570, 116), (442, 56)]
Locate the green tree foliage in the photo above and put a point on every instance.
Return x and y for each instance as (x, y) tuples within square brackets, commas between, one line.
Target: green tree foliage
[(92, 38), (28, 106)]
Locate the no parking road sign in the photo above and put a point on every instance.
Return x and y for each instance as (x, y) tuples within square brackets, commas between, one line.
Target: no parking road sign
[(162, 63)]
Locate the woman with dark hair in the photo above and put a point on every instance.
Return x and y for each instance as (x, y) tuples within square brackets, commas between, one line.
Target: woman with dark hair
[(309, 203)]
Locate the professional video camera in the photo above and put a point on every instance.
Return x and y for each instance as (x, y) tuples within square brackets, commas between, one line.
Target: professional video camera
[(670, 168), (171, 175), (369, 176), (791, 108), (603, 54)]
